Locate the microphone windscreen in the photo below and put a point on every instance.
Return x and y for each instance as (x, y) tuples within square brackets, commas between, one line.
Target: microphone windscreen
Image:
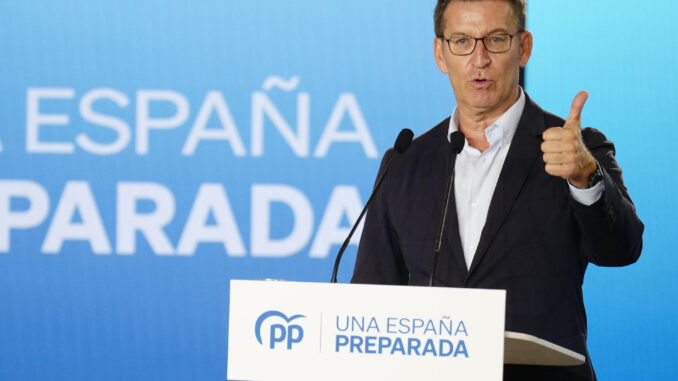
[(457, 140), (403, 140)]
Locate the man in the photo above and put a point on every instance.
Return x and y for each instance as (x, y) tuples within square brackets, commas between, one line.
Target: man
[(536, 198)]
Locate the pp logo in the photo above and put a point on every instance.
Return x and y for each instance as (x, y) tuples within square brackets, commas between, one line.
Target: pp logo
[(281, 331)]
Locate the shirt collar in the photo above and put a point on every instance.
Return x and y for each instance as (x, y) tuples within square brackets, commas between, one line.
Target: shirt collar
[(507, 122)]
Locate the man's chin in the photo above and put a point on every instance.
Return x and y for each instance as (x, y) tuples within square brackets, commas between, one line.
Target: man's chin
[(486, 102), (483, 104), (480, 98)]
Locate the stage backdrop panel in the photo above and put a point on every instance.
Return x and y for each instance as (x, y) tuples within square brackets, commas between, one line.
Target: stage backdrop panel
[(151, 151)]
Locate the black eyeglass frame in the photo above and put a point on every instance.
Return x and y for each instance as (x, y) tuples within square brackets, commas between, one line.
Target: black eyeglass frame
[(476, 39)]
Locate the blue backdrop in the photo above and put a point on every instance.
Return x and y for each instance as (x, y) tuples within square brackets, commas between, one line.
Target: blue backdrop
[(150, 151)]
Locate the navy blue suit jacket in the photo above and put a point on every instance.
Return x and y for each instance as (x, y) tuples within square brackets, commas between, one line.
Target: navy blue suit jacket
[(536, 243)]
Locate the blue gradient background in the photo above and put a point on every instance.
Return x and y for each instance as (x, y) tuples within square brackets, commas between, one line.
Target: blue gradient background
[(80, 316)]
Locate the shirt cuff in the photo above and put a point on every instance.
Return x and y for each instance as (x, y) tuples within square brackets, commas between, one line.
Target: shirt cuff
[(587, 196)]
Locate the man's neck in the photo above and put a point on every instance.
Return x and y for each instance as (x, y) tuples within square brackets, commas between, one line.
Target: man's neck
[(473, 122)]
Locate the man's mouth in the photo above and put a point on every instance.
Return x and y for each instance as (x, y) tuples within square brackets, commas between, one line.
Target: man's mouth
[(481, 83)]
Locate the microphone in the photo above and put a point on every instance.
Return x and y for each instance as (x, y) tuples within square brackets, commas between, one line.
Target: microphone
[(401, 145), (457, 144)]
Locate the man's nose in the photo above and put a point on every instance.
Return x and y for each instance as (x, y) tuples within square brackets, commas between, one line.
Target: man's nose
[(480, 56)]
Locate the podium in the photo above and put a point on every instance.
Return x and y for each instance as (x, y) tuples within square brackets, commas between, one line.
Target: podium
[(321, 331)]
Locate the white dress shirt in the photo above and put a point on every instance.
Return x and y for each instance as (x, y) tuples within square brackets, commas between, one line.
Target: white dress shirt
[(476, 175)]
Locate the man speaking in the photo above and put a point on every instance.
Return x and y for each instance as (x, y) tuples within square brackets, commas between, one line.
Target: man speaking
[(534, 198)]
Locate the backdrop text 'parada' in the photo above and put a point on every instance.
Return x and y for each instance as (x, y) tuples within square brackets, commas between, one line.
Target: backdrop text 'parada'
[(211, 219)]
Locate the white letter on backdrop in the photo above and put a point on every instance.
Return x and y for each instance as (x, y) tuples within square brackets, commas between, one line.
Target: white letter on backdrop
[(77, 197), (211, 198), (146, 123), (344, 200), (261, 104), (149, 224), (34, 119), (115, 124), (260, 231), (228, 131), (346, 103), (31, 217)]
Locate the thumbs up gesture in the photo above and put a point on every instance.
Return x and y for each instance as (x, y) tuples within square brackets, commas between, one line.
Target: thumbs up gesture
[(564, 151)]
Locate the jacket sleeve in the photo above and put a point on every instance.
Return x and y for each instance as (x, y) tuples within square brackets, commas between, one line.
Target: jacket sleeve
[(611, 232), (379, 259)]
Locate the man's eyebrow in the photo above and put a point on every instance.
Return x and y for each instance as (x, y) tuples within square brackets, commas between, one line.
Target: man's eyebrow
[(498, 30), (493, 31)]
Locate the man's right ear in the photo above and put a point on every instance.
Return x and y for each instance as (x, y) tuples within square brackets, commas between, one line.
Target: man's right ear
[(439, 54)]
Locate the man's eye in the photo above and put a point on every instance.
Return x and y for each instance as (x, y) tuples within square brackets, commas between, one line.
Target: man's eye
[(460, 41)]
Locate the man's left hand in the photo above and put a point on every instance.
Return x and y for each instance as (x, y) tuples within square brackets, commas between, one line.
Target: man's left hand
[(564, 151)]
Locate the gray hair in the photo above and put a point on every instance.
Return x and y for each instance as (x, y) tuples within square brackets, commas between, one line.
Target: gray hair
[(518, 6)]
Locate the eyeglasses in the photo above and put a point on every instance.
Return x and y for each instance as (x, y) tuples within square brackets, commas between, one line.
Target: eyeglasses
[(461, 45)]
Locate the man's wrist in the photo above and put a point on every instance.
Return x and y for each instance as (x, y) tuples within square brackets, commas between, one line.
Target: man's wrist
[(584, 180), (595, 177)]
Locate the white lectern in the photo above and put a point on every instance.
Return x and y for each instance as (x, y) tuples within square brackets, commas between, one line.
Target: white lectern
[(321, 331)]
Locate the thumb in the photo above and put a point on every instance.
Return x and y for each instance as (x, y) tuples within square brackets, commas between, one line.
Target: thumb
[(574, 119)]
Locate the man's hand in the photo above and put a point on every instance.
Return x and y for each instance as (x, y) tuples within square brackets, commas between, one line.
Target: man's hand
[(564, 151)]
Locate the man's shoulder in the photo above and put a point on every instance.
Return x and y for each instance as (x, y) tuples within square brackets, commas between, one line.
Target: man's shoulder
[(551, 119), (434, 136), (532, 109), (425, 150)]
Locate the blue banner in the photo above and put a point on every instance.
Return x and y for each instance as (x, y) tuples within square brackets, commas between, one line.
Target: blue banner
[(150, 151)]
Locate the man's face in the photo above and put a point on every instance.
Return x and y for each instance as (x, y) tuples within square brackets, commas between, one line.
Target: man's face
[(483, 82)]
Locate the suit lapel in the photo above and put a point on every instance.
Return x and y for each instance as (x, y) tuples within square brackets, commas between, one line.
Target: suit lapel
[(524, 150)]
